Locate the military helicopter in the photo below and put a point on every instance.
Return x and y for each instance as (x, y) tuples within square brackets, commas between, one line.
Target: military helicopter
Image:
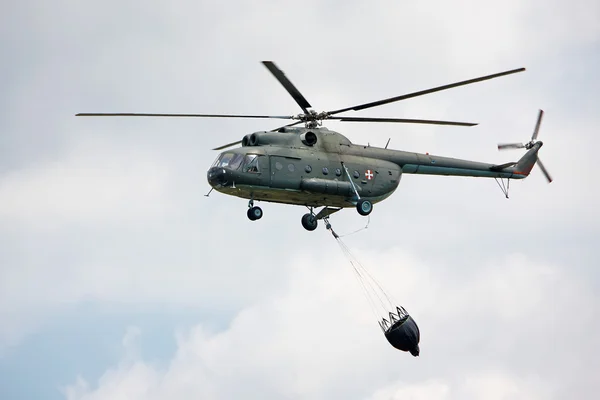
[(314, 167)]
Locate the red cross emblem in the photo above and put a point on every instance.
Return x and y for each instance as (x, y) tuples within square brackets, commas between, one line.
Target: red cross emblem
[(369, 174)]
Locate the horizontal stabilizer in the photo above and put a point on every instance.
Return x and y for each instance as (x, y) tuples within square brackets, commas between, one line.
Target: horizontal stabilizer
[(502, 166)]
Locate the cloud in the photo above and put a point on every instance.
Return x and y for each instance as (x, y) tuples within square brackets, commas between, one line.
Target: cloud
[(418, 391), (495, 385), (92, 184), (317, 338)]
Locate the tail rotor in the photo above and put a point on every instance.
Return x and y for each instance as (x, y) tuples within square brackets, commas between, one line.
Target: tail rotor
[(529, 145), (544, 170)]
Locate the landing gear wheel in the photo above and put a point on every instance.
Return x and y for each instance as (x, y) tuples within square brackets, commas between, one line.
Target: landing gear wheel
[(254, 213), (364, 207), (309, 222)]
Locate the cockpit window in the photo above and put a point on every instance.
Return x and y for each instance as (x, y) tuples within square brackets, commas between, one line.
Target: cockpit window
[(236, 161), (216, 163), (229, 160), (223, 160), (251, 163), (248, 162)]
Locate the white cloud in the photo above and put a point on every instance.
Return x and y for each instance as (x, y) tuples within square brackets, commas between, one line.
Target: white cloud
[(428, 390), (495, 385), (318, 339), (93, 184)]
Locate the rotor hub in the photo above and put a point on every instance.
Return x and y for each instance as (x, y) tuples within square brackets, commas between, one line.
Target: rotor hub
[(312, 119)]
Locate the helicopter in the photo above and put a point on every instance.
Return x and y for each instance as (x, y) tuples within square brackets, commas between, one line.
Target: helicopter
[(315, 167)]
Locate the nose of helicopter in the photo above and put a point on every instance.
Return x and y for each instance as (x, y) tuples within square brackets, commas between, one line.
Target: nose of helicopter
[(216, 176)]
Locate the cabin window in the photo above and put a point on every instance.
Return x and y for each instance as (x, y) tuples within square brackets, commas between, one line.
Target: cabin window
[(325, 171), (308, 169), (278, 165), (338, 172), (291, 167), (356, 175)]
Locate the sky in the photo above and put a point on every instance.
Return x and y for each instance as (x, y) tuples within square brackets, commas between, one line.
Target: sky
[(119, 279)]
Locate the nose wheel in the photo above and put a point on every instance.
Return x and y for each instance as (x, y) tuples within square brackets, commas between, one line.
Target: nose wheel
[(254, 213)]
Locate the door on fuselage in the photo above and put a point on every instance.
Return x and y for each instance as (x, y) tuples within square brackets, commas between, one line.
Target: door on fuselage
[(256, 169), (286, 172)]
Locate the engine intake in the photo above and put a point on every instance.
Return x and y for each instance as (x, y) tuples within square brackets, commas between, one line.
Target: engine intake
[(253, 140), (246, 141), (309, 138)]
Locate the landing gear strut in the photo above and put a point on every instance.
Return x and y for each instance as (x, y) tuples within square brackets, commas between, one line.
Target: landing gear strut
[(254, 213), (364, 207)]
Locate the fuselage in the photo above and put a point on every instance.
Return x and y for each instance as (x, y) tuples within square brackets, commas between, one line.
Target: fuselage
[(319, 167)]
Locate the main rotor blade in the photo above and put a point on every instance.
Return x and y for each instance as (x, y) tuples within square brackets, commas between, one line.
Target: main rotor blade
[(544, 170), (181, 115), (422, 92), (289, 86), (227, 145), (537, 125), (410, 121), (504, 146)]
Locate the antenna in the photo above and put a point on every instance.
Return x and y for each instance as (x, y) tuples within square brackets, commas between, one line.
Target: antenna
[(388, 142)]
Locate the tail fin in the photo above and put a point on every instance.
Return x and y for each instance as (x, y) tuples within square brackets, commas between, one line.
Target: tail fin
[(526, 163)]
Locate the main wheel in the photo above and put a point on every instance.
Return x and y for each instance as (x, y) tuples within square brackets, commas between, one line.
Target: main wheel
[(364, 207), (255, 213), (309, 222)]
